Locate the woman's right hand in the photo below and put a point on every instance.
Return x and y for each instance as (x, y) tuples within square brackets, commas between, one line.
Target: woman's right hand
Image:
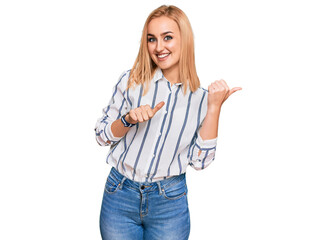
[(143, 113)]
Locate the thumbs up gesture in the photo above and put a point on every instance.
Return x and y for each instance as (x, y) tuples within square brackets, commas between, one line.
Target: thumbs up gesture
[(143, 113), (219, 91)]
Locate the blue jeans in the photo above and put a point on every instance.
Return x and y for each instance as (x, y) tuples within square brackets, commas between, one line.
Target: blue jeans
[(152, 211)]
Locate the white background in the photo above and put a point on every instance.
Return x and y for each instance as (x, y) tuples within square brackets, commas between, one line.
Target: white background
[(274, 172)]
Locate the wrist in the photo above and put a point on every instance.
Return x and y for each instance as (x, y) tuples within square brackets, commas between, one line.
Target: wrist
[(128, 119), (213, 109), (125, 122)]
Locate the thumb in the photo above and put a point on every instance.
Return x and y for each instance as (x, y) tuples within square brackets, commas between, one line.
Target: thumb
[(235, 89), (158, 106)]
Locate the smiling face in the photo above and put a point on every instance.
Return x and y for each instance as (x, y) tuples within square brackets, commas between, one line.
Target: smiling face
[(164, 43)]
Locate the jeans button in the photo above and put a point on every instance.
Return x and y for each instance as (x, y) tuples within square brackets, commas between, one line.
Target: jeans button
[(142, 187)]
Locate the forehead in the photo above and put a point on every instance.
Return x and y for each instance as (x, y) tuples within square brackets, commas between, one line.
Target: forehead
[(162, 24)]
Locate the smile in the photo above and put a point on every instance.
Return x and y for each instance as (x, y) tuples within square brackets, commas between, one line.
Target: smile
[(163, 56)]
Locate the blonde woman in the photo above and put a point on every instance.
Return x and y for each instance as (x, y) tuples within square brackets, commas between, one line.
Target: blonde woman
[(158, 121)]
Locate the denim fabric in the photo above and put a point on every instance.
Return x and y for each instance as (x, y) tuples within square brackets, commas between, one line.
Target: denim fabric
[(141, 210)]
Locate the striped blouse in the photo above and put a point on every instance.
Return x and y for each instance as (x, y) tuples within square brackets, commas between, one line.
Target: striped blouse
[(164, 145)]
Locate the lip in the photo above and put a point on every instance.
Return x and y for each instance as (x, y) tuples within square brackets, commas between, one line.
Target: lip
[(164, 58)]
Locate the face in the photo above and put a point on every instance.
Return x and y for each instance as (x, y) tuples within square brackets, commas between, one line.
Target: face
[(164, 43)]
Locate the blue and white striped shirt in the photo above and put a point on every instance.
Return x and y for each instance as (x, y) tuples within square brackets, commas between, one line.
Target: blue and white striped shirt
[(164, 145)]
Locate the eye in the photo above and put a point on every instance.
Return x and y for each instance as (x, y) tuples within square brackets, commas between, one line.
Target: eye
[(168, 37), (151, 39)]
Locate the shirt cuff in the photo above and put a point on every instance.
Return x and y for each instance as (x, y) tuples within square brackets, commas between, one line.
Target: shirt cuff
[(110, 135), (208, 143)]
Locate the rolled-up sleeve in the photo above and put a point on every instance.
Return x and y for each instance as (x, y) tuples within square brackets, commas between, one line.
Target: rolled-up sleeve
[(206, 148), (118, 106)]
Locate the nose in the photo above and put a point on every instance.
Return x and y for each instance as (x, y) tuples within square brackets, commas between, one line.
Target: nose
[(159, 46)]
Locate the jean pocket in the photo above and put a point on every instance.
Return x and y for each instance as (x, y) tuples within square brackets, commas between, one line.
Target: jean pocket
[(175, 191), (112, 184)]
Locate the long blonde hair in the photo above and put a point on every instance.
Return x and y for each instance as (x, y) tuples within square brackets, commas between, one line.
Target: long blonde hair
[(144, 67)]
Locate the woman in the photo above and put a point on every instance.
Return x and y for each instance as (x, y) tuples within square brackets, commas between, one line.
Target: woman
[(158, 121)]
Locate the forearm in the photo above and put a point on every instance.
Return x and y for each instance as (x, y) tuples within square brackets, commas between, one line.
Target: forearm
[(118, 129), (209, 129)]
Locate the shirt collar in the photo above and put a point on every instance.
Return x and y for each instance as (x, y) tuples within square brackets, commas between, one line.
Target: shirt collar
[(159, 75)]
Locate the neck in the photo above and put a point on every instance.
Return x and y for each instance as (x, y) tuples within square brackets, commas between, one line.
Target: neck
[(172, 74)]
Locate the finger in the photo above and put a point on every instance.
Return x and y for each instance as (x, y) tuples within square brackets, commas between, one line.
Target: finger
[(158, 107), (144, 112), (139, 115), (133, 116), (222, 81), (222, 86), (232, 91), (211, 88), (149, 111), (227, 88), (235, 89)]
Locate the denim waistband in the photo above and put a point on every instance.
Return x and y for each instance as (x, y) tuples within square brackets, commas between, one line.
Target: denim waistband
[(146, 185)]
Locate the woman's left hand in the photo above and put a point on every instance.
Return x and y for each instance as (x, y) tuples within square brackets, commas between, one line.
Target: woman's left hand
[(219, 91)]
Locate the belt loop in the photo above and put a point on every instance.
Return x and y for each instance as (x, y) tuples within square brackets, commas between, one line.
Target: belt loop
[(160, 191), (122, 182)]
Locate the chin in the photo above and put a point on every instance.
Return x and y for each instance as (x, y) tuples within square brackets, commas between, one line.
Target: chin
[(164, 66)]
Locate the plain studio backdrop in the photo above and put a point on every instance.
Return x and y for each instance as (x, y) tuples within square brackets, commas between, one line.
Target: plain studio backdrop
[(274, 172)]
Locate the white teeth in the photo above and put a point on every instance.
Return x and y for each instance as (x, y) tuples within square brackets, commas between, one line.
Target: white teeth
[(163, 55)]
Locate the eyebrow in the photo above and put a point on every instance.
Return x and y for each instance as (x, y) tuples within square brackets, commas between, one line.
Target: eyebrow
[(149, 34)]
